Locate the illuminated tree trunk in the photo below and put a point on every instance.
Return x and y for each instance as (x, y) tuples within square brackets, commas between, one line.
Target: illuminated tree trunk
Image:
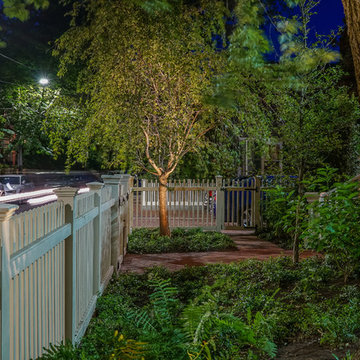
[(352, 15), (163, 212)]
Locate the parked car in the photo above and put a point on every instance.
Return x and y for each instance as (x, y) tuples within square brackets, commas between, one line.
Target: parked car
[(14, 184)]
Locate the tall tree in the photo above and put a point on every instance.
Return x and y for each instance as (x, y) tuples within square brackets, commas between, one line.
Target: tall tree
[(146, 71), (290, 100), (23, 111), (352, 16)]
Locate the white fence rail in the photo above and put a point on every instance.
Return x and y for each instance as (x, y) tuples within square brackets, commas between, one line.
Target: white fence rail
[(55, 260)]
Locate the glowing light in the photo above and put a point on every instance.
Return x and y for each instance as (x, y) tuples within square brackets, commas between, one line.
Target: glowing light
[(44, 81)]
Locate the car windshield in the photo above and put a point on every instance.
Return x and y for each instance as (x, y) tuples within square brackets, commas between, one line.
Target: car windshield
[(12, 180)]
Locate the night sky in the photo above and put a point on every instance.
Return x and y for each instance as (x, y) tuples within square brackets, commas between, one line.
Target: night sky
[(330, 15)]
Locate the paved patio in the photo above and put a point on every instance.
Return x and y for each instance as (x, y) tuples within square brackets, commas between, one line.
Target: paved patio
[(248, 247)]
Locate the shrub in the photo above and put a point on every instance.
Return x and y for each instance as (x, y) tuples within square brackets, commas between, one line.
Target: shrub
[(234, 311), (149, 241), (284, 215), (335, 228)]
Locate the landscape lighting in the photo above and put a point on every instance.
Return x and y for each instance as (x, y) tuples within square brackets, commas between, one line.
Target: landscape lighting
[(44, 81)]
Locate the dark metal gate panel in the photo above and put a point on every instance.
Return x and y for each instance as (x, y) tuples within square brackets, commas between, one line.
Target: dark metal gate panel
[(241, 208)]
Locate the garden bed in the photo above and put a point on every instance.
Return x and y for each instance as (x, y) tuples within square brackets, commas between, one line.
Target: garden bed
[(149, 241), (250, 310)]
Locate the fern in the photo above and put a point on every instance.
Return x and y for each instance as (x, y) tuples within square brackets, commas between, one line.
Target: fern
[(197, 322), (62, 351), (127, 349), (159, 315), (142, 319), (162, 299)]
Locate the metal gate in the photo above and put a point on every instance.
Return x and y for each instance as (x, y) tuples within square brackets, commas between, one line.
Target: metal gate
[(241, 203)]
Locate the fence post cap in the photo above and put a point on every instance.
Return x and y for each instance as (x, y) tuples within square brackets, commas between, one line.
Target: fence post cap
[(115, 179), (95, 185), (6, 211), (66, 195)]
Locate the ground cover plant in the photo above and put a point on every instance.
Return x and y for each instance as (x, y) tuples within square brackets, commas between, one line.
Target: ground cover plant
[(149, 241), (239, 311)]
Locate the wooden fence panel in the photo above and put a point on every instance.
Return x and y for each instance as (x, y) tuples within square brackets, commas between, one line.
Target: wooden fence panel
[(55, 260), (224, 204), (36, 294), (190, 204)]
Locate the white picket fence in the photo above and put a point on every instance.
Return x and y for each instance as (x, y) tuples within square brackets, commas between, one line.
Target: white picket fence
[(190, 203), (55, 261), (210, 204)]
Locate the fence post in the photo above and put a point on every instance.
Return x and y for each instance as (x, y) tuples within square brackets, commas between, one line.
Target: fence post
[(126, 211), (6, 211), (96, 188), (257, 202), (220, 203), (120, 185), (67, 196)]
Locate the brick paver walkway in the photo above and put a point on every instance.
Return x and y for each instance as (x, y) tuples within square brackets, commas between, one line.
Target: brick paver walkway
[(248, 247)]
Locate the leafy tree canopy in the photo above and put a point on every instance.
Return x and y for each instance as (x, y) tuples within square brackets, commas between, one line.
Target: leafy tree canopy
[(144, 75), (20, 8)]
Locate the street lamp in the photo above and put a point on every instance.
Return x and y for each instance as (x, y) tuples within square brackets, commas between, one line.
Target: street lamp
[(44, 81)]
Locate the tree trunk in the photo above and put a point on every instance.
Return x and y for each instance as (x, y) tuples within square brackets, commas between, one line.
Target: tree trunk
[(20, 158), (296, 241), (352, 16), (296, 237), (163, 213)]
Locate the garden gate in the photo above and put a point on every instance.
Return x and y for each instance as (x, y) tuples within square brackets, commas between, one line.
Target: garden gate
[(212, 205)]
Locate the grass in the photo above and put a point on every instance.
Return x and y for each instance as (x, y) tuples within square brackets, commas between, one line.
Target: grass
[(239, 311), (149, 241)]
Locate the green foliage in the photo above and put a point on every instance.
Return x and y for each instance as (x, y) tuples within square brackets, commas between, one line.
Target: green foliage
[(299, 100), (285, 215), (348, 356), (335, 227), (323, 180), (62, 351), (235, 311), (20, 8), (336, 323), (24, 110), (145, 72), (127, 349), (317, 122), (149, 241)]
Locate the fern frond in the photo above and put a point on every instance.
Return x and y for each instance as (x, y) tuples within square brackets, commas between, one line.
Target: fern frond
[(197, 322), (162, 298), (142, 319)]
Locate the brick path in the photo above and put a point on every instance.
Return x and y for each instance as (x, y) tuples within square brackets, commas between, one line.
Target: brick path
[(248, 247)]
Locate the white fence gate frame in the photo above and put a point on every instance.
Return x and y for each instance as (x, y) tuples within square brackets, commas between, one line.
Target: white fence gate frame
[(55, 261), (211, 205), (189, 204)]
